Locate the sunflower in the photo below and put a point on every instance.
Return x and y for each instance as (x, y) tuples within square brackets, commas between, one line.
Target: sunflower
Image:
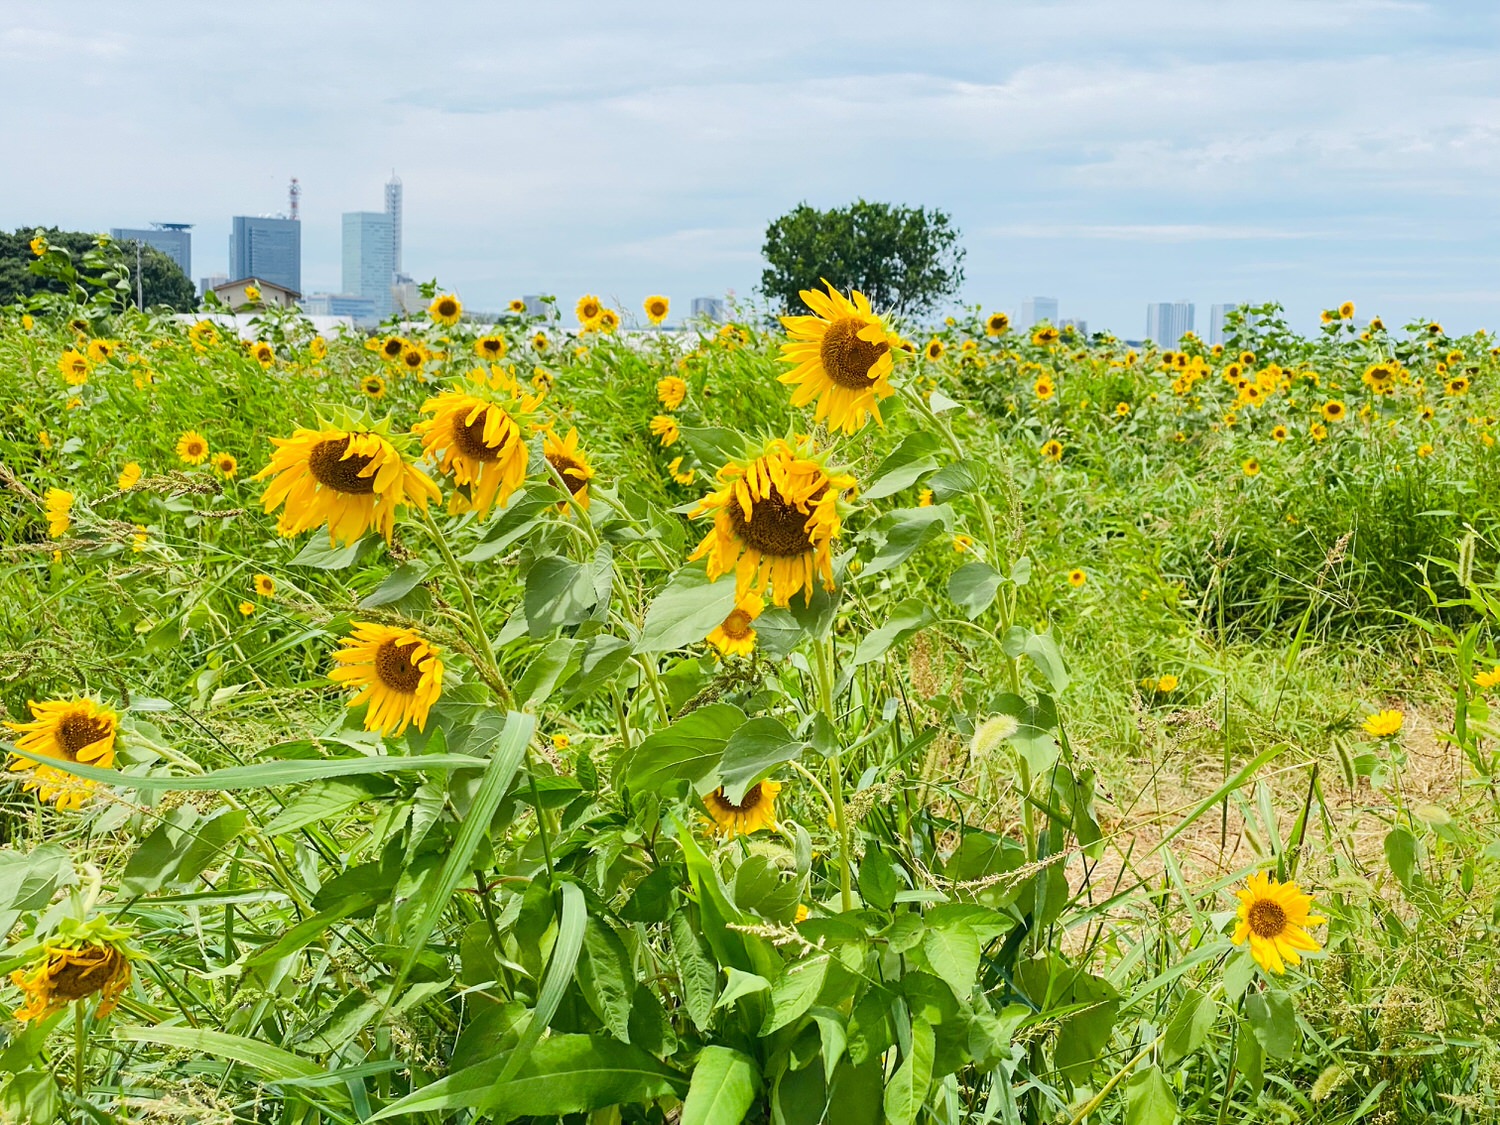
[(540, 343), (1251, 467), (203, 335), (607, 321), (670, 391), (1318, 431), (392, 347), (1376, 324), (373, 385), (541, 380), (318, 347), (490, 347), (1166, 683), (82, 959), (1045, 336), (962, 543), (445, 309), (399, 671), (1457, 386), (518, 306), (69, 730), (130, 476), (1273, 918), (1052, 450), (1346, 310), (351, 480), (1044, 388), (1424, 450), (1333, 410), (588, 309), (756, 810), (39, 246), (252, 294), (1122, 409), (656, 309), (74, 366), (735, 635), (59, 512), (934, 349), (263, 353), (192, 448), (1077, 578), (478, 442), (1487, 680), (569, 462), (225, 464), (265, 585), (666, 430), (1383, 724), (679, 474), (1327, 316), (775, 518), (841, 356), (1279, 434), (413, 358), (996, 324), (247, 609), (1434, 329)]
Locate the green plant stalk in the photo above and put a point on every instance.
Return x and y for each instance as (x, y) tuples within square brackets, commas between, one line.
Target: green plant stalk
[(822, 651), (480, 639), (80, 1043), (1119, 1076)]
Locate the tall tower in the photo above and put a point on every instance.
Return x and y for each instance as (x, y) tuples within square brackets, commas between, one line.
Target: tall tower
[(393, 212)]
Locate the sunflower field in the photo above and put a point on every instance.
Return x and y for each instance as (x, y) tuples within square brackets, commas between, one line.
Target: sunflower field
[(826, 719)]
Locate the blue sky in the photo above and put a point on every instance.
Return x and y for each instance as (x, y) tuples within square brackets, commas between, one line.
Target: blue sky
[(1106, 152)]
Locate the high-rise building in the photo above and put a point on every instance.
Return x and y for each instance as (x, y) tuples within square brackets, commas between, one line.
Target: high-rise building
[(1216, 315), (710, 307), (212, 281), (270, 249), (369, 269), (393, 212), (406, 296), (535, 306), (361, 310), (175, 240), (1034, 310), (1168, 321)]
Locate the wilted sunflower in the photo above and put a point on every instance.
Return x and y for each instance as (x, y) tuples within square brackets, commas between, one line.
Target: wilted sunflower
[(735, 635), (392, 347), (666, 430), (775, 518), (1273, 918), (130, 476), (70, 730), (656, 309), (81, 959), (841, 358), (588, 309), (490, 347), (670, 391), (445, 309), (569, 462), (226, 465), (352, 480), (479, 443), (934, 349), (399, 671), (373, 385), (192, 448), (74, 366), (996, 324), (756, 810), (59, 506)]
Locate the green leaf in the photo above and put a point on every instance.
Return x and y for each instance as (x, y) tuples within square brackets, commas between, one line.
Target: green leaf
[(906, 1093), (902, 621), (271, 1062), (973, 587), (320, 555), (723, 1088), (904, 531), (606, 978), (686, 611), (1149, 1100), (696, 971), (1251, 1058), (1189, 1027), (713, 445), (1401, 854), (601, 659), (397, 584), (904, 466), (878, 880), (952, 951), (956, 479), (938, 402), (179, 848), (690, 748), (559, 593), (547, 667), (31, 1096), (751, 753), (741, 983), (516, 522), (28, 880), (324, 799), (1043, 651), (1273, 1018), (794, 992)]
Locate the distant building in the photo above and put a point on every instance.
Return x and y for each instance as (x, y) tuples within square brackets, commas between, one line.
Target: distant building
[(270, 249), (1034, 310), (535, 306), (1080, 327), (233, 295), (393, 197), (360, 310), (369, 259), (710, 307), (212, 281), (175, 240), (1168, 321), (1217, 314), (406, 296)]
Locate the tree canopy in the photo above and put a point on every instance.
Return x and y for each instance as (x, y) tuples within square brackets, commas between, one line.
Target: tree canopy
[(162, 279), (905, 259)]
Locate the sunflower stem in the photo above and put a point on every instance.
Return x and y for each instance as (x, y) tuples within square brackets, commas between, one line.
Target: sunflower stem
[(823, 652), (80, 1043), (480, 639)]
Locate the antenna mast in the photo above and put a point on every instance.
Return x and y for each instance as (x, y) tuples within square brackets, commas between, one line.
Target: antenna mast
[(294, 199)]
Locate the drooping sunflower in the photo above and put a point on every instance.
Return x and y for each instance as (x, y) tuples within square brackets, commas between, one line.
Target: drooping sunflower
[(225, 465), (570, 463), (59, 507), (996, 324), (82, 959), (480, 443), (70, 730), (398, 671), (841, 358), (735, 635), (130, 476), (656, 309), (445, 309), (490, 347), (756, 810), (353, 481), (1273, 918), (666, 430), (588, 309), (192, 448), (671, 390), (74, 366), (392, 347), (775, 518)]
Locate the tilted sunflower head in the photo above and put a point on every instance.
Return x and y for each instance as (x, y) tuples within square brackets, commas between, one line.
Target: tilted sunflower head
[(82, 959), (75, 730), (518, 306), (399, 674), (392, 347), (570, 464), (841, 357), (756, 809), (477, 435)]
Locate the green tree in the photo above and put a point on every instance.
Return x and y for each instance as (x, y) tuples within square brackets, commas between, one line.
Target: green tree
[(162, 280), (905, 259)]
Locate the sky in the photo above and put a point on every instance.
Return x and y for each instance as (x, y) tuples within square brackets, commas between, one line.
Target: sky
[(1104, 152)]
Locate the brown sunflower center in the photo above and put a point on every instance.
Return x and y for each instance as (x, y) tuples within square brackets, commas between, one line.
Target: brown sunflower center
[(774, 527), (447, 308), (333, 470), (79, 730), (1267, 919), (562, 463), (737, 627), (491, 345), (392, 347), (196, 448), (751, 799), (84, 972), (846, 357), (396, 667), (468, 439), (590, 311)]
